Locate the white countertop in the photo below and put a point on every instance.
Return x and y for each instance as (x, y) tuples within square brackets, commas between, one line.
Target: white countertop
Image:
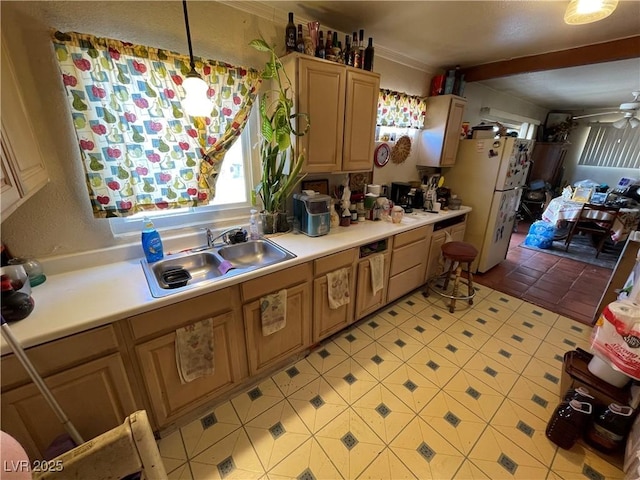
[(78, 300)]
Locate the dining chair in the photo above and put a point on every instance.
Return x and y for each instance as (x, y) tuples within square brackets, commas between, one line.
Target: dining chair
[(596, 220)]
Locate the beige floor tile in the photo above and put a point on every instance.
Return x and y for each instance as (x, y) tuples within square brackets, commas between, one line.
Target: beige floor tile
[(487, 324), (482, 291), (308, 459), (377, 360), (172, 451), (411, 387), (468, 334), (256, 400), (553, 476), (443, 304), (534, 398), (477, 396), (580, 462), (437, 317), (420, 330), (511, 357), (425, 452), (183, 472), (276, 433), (493, 309), (540, 314), (499, 298), (350, 380), (295, 377), (434, 366), (353, 340), (403, 309), (401, 344), (516, 338), (525, 429), (209, 429), (232, 457), (567, 340), (350, 443), (317, 404), (376, 326), (544, 375), (326, 357), (499, 457), (576, 329), (551, 354), (529, 325), (386, 466), (468, 471), (491, 372), (452, 348), (455, 422), (384, 412)]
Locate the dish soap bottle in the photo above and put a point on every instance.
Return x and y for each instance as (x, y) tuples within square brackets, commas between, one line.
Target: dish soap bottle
[(151, 242), (254, 226)]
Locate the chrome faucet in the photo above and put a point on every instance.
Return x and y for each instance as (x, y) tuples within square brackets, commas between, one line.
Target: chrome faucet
[(212, 238)]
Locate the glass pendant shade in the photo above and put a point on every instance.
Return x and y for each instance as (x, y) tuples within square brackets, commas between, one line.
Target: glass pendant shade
[(196, 102), (580, 12)]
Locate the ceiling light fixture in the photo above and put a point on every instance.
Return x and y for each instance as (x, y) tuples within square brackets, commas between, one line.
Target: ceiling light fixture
[(628, 119), (196, 103), (580, 12)]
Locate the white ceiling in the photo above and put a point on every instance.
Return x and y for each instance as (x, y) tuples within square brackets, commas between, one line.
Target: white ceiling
[(433, 35)]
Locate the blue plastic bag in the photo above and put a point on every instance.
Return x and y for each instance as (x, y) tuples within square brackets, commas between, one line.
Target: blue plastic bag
[(540, 235)]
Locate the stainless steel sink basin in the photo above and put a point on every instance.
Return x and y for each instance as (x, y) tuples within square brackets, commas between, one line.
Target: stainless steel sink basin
[(184, 271)]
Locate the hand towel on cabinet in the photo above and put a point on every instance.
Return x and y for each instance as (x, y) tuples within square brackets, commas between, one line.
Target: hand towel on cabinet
[(195, 350)]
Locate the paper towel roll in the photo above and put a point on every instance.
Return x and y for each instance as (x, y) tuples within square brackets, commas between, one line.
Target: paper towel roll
[(375, 189)]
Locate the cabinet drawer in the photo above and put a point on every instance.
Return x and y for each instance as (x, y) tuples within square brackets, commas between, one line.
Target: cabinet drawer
[(55, 356), (276, 281), (411, 236), (333, 262), (174, 316), (405, 282), (408, 256)]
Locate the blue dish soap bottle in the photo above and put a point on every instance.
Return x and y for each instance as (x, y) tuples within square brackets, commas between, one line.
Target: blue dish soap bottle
[(151, 242)]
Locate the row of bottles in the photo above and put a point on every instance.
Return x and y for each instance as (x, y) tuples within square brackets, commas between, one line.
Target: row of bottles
[(354, 53)]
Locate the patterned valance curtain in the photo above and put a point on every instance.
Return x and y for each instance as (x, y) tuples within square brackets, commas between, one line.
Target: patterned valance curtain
[(396, 109), (140, 150)]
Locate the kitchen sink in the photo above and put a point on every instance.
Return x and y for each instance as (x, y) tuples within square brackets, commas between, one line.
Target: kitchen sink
[(183, 271)]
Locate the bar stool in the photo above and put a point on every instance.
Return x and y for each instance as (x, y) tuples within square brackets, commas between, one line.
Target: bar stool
[(458, 253)]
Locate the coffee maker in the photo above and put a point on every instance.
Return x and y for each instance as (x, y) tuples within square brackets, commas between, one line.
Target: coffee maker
[(400, 194)]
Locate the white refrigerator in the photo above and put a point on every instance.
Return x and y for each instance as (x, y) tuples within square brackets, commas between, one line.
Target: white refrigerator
[(488, 176)]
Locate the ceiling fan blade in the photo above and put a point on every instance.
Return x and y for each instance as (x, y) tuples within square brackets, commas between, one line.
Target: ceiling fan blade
[(578, 117)]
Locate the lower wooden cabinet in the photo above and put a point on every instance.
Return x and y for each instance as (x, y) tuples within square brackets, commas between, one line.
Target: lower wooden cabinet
[(265, 351), (408, 261), (366, 301), (439, 237), (96, 397)]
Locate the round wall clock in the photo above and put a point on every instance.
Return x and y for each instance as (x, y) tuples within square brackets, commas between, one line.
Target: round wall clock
[(381, 155)]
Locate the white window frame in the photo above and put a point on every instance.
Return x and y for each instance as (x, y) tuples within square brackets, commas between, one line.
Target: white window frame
[(191, 219)]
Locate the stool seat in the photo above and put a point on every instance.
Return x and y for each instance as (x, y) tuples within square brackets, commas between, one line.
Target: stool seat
[(459, 251)]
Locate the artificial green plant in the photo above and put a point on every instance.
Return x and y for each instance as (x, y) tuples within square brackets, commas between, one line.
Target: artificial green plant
[(280, 166)]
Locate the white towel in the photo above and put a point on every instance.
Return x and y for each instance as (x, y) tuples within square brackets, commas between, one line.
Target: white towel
[(338, 288), (194, 350), (273, 312), (376, 262)]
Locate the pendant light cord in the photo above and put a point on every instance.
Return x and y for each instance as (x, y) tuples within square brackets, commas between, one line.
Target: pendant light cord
[(186, 23)]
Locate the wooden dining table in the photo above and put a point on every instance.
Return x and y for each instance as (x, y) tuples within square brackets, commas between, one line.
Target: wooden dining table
[(561, 210)]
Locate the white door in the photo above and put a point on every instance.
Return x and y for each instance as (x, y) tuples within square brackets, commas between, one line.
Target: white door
[(499, 229)]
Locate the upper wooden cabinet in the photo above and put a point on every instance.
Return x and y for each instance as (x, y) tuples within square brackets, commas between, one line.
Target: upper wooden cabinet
[(23, 168), (342, 104), (438, 141)]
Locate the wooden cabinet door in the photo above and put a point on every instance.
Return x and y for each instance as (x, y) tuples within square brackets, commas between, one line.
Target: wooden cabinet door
[(407, 272), (321, 94), (264, 351), (361, 111), (435, 250), (325, 319), (457, 232), (95, 396), (366, 301), (452, 132), (168, 396)]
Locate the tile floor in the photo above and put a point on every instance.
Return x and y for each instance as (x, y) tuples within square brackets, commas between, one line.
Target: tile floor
[(562, 285), (410, 392)]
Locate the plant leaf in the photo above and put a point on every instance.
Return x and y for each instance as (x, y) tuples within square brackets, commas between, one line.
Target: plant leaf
[(260, 44)]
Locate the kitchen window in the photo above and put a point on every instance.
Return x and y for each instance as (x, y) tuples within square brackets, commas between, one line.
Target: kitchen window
[(607, 146)]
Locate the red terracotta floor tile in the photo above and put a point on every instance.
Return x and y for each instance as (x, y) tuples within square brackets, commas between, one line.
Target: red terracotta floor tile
[(519, 277), (546, 295)]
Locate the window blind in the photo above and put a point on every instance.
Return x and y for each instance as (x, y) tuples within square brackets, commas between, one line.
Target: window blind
[(607, 146)]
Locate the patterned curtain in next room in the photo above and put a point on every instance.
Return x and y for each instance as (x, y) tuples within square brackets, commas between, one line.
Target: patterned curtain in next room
[(400, 110), (139, 149)]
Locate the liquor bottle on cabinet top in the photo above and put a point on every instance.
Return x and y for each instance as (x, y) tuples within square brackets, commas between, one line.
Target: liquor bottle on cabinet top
[(361, 48), (348, 59), (355, 51), (320, 51), (368, 56), (329, 42), (290, 34), (300, 41)]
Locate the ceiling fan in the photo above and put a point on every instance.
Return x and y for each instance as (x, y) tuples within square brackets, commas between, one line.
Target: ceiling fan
[(629, 111)]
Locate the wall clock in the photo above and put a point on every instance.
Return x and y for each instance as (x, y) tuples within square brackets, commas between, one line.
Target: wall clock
[(381, 155)]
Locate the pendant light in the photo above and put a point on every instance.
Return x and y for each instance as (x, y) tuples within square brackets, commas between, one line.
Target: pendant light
[(580, 12), (196, 103)]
